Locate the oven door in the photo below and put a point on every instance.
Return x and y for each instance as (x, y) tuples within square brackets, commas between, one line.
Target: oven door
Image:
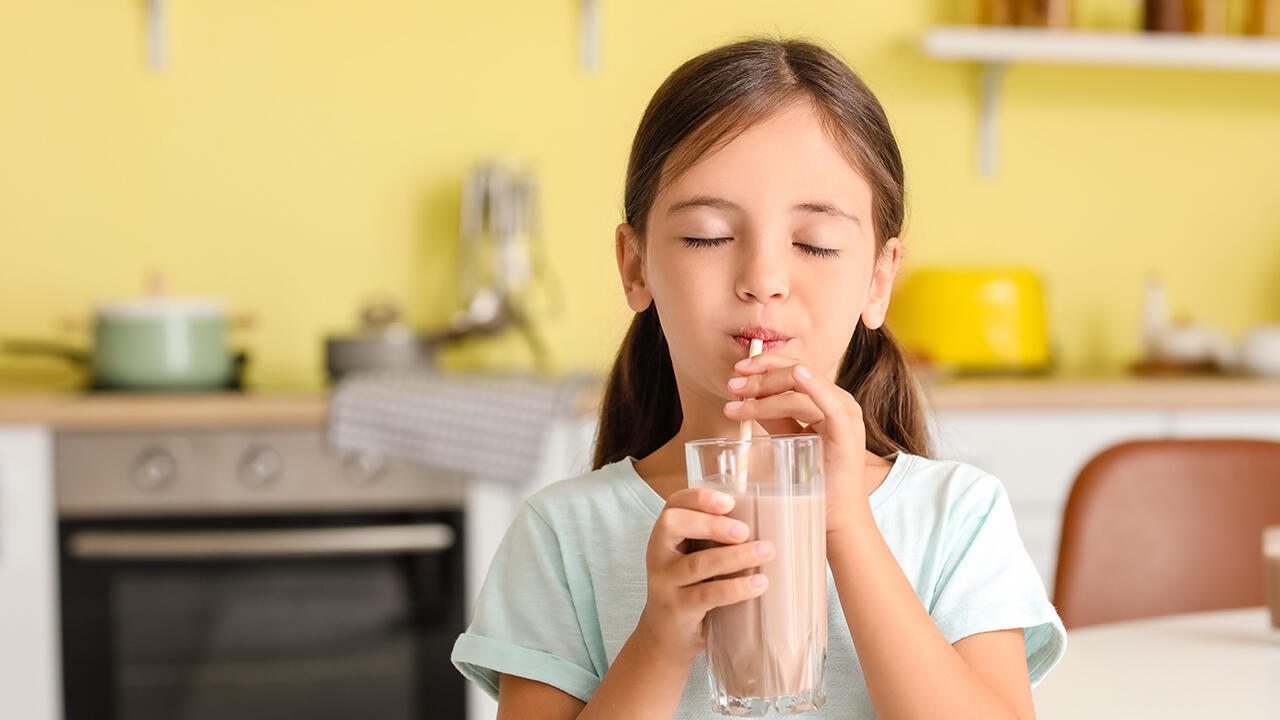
[(312, 617)]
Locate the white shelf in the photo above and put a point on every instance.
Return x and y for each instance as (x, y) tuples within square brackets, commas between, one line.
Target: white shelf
[(998, 47), (1075, 47)]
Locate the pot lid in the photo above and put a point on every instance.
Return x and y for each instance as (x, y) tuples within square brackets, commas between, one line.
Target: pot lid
[(164, 306)]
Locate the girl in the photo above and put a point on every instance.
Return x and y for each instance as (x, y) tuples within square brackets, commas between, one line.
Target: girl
[(764, 199)]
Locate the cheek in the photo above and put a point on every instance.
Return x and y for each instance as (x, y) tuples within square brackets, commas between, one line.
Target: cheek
[(678, 281), (834, 313), (686, 303), (671, 285), (837, 289)]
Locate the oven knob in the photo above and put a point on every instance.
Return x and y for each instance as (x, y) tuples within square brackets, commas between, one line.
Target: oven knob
[(260, 468), (155, 470), (364, 468)]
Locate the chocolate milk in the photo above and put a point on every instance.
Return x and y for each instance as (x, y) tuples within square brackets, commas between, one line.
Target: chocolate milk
[(774, 645)]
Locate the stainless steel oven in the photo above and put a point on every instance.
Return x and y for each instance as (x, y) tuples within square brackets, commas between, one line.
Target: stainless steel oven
[(254, 574)]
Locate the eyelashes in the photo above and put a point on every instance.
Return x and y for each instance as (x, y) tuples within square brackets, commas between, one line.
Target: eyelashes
[(813, 250), (705, 242)]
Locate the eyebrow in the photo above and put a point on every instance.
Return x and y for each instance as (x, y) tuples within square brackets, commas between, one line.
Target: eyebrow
[(820, 208)]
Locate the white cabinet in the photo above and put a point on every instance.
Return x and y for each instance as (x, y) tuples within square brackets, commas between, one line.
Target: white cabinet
[(30, 686), (1263, 423)]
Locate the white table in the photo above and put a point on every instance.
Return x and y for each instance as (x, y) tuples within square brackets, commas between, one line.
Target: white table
[(1223, 664)]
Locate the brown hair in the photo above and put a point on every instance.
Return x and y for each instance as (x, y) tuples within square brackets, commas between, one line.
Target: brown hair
[(704, 104)]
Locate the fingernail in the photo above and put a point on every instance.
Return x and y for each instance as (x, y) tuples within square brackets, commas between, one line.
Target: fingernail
[(802, 371), (739, 530), (762, 548), (724, 501), (733, 405), (758, 580), (738, 383), (742, 363)]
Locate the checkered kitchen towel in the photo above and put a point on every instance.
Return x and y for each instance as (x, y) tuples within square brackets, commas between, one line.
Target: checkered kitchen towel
[(484, 425)]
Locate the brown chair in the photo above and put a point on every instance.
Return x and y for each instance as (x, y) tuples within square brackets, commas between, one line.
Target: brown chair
[(1157, 527)]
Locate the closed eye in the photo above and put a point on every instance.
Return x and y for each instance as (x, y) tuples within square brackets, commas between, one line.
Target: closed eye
[(705, 242), (818, 251), (813, 250)]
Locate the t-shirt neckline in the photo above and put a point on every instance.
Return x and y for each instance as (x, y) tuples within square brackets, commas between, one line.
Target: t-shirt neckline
[(653, 502)]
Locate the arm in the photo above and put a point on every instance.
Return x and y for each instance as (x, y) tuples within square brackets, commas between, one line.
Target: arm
[(641, 684), (981, 676)]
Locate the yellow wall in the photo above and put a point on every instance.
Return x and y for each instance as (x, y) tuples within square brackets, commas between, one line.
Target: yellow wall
[(298, 156)]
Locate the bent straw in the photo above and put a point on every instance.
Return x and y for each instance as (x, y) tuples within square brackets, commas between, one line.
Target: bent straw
[(744, 432)]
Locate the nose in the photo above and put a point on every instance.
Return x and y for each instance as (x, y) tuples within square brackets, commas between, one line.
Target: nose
[(762, 275)]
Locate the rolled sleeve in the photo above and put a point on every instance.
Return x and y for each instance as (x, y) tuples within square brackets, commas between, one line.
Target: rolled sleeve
[(526, 622), (481, 660), (989, 583)]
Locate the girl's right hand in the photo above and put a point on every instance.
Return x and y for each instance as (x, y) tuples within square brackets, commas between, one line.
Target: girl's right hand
[(680, 589)]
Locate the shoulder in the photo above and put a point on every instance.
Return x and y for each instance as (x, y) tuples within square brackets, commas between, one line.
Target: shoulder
[(601, 494), (953, 487)]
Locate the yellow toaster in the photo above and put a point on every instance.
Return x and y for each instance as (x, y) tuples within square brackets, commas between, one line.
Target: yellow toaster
[(982, 320)]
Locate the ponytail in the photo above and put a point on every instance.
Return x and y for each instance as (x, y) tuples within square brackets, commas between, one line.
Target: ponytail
[(641, 406), (875, 372)]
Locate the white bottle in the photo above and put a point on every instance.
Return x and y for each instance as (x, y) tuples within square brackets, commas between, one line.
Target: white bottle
[(1155, 316)]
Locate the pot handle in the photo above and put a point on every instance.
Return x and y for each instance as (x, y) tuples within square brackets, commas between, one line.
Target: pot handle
[(46, 347)]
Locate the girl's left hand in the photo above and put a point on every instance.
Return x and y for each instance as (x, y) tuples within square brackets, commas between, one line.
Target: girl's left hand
[(789, 398)]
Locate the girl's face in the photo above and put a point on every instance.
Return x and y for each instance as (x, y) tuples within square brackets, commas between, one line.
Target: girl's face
[(769, 236)]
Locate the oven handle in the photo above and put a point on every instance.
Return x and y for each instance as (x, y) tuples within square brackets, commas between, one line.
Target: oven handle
[(231, 544)]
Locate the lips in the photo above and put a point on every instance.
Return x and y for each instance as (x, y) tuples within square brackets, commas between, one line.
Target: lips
[(772, 339)]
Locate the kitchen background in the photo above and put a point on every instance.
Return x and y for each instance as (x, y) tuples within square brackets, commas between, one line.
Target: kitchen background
[(298, 158), (319, 165)]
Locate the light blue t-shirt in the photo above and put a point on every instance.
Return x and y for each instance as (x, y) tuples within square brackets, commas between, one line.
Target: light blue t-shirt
[(568, 582)]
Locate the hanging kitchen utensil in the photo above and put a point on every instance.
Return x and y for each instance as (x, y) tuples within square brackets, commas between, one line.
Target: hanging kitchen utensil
[(499, 258)]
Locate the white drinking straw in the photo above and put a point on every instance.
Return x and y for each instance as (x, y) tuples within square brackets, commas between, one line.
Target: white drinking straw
[(744, 432)]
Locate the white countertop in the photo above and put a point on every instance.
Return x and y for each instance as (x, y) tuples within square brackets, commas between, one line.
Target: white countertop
[(1119, 392), (1223, 664)]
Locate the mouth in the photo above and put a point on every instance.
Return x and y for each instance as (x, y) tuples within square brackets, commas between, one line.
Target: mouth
[(772, 339)]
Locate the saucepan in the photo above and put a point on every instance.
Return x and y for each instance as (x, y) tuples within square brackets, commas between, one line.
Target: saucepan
[(156, 343)]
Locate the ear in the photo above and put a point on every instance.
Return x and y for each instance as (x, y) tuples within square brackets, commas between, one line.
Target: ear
[(631, 268), (882, 284)]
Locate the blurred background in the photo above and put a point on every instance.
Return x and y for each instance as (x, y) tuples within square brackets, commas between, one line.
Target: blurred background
[(300, 301), (298, 159)]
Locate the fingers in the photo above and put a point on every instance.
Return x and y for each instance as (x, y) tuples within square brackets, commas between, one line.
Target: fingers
[(726, 560), (840, 412), (704, 499), (780, 387), (675, 525), (795, 405), (693, 514), (718, 593), (763, 362), (766, 377), (763, 382)]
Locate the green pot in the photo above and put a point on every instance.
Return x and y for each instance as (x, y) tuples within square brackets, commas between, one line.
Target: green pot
[(157, 343), (162, 343)]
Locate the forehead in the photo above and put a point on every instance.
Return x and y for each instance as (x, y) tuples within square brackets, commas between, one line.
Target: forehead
[(785, 159)]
